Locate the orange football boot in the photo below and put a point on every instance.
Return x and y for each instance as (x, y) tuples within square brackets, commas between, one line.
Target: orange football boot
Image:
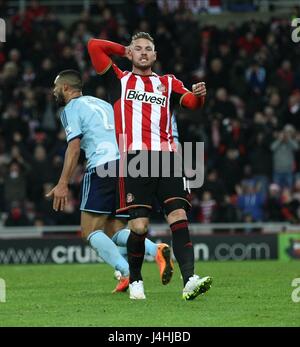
[(164, 263), (122, 286)]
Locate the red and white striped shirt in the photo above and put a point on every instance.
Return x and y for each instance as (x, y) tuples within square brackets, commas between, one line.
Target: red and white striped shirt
[(142, 104)]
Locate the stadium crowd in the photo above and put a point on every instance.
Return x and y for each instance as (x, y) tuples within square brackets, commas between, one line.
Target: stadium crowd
[(250, 123)]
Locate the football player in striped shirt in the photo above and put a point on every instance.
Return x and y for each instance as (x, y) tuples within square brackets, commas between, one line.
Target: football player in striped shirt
[(143, 103)]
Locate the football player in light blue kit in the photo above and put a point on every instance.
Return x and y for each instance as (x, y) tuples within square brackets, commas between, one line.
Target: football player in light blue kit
[(89, 125)]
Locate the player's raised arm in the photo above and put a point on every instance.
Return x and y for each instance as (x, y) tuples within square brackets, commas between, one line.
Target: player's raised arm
[(100, 52)]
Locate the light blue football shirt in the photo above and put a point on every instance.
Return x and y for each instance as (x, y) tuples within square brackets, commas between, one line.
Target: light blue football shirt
[(92, 120)]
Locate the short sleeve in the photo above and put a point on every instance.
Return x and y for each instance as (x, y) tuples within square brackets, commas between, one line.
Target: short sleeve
[(71, 124), (178, 87)]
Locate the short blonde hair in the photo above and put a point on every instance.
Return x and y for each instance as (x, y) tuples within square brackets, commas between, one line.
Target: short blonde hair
[(142, 35)]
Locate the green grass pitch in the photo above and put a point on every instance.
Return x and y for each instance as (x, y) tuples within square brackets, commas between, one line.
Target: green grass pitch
[(249, 293)]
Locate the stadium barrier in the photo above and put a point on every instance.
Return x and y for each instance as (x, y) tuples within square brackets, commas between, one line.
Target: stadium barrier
[(155, 229), (63, 245)]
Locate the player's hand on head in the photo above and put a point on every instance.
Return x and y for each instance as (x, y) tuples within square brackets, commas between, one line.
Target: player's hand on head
[(127, 52), (199, 89), (60, 196)]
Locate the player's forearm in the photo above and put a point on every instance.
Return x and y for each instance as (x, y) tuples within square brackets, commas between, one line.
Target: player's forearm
[(100, 52), (108, 47), (189, 100), (70, 163)]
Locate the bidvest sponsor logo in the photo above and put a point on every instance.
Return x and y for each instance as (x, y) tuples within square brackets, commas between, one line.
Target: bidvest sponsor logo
[(148, 97)]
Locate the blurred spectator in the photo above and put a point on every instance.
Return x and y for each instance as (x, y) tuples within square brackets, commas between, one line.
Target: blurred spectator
[(48, 118), (214, 185), (67, 60), (256, 78), (168, 6), (29, 75), (286, 76), (261, 161), (234, 136), (290, 207), (17, 216), (273, 205), (292, 114), (250, 43), (14, 184), (223, 105), (250, 202), (283, 149), (12, 123), (46, 74), (226, 211), (217, 77), (231, 169), (207, 207), (40, 173), (213, 143)]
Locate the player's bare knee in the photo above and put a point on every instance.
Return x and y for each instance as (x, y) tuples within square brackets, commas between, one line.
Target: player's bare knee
[(139, 220), (139, 225), (113, 225), (176, 215), (175, 210), (85, 233), (91, 222), (86, 230), (179, 213)]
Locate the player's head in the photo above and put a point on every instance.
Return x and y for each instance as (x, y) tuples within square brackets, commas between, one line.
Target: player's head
[(142, 51), (66, 84)]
